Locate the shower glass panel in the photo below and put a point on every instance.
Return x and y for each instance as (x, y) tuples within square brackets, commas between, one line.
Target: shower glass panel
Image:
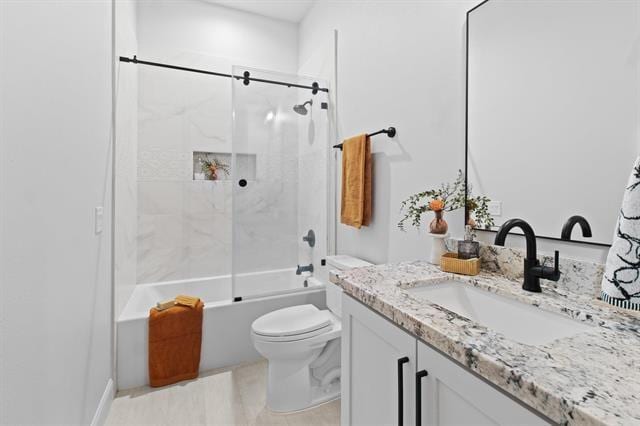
[(183, 217), (272, 147)]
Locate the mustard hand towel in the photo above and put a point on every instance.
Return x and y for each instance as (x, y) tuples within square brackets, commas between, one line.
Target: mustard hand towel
[(356, 182), (189, 301)]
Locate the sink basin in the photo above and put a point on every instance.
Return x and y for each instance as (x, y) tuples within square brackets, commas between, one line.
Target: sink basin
[(515, 320)]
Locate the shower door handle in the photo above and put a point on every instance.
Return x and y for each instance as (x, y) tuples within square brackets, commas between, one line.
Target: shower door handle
[(242, 182)]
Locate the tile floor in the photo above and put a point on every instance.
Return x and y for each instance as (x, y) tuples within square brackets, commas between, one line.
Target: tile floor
[(231, 396)]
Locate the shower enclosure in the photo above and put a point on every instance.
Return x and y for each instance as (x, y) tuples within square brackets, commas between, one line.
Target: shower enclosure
[(279, 179), (231, 174), (214, 194)]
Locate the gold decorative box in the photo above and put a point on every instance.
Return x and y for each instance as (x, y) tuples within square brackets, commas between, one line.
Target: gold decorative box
[(449, 262)]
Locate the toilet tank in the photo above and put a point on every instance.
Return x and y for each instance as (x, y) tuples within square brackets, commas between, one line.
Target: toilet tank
[(334, 293)]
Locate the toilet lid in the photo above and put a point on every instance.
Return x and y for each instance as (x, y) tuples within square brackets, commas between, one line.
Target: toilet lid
[(291, 321)]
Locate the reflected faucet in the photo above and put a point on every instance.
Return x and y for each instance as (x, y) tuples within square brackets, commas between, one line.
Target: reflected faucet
[(570, 223), (305, 268), (532, 269)]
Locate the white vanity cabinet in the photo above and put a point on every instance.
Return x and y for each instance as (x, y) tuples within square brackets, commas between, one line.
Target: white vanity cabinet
[(448, 394), (373, 393), (452, 395)]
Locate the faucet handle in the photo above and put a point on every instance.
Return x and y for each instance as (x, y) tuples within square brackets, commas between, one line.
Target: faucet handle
[(548, 272), (553, 274)]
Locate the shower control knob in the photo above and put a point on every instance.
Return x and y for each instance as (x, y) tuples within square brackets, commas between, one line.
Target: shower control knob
[(310, 238), (242, 182)]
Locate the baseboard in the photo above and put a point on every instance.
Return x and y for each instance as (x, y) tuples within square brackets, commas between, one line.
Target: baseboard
[(102, 411)]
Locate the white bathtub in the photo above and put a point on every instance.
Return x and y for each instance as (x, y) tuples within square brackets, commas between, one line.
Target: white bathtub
[(226, 325)]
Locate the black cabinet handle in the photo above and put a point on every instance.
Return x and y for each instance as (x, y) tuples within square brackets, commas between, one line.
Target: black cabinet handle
[(242, 182), (401, 362), (419, 375)]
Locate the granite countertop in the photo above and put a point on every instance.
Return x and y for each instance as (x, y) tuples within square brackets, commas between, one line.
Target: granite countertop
[(589, 378)]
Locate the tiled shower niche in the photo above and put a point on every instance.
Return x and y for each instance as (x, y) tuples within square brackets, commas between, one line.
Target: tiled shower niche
[(246, 164)]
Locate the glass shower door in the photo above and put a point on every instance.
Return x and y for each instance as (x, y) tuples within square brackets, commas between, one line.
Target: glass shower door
[(267, 136)]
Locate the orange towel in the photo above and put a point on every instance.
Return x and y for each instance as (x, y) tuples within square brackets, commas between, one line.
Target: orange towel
[(356, 182), (175, 339)]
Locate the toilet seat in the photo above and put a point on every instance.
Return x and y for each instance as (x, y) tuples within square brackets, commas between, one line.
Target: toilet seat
[(293, 323)]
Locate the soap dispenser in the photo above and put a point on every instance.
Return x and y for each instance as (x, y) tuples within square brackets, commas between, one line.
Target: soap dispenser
[(468, 249)]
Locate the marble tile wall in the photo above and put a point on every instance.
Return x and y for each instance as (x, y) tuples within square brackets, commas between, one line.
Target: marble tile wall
[(185, 225), (266, 211)]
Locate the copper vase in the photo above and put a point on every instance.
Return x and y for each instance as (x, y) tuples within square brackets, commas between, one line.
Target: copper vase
[(438, 225)]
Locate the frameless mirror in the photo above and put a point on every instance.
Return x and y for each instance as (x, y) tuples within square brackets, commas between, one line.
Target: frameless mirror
[(552, 110)]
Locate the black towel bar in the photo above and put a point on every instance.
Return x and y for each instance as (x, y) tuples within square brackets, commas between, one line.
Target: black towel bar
[(391, 132)]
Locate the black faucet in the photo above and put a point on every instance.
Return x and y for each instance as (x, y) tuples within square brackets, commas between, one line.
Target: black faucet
[(532, 269), (570, 223), (306, 268)]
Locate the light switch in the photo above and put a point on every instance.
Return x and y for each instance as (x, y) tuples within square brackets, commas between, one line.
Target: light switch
[(495, 208), (99, 219)]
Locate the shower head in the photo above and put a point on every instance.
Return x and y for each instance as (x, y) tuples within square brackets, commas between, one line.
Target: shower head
[(302, 109)]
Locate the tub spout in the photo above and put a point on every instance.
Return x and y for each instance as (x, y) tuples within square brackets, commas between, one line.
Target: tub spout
[(305, 268)]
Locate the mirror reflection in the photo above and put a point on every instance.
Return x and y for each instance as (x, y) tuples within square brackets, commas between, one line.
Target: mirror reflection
[(553, 112)]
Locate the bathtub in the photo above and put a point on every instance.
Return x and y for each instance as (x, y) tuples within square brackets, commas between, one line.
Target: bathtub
[(226, 324)]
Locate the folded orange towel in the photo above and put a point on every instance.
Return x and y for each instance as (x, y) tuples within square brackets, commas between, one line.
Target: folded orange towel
[(356, 181), (189, 301), (175, 340)]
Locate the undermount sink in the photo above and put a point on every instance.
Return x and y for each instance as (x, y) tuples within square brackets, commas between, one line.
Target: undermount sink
[(515, 320)]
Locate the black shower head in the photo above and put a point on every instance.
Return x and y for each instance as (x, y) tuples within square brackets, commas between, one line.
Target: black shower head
[(302, 109)]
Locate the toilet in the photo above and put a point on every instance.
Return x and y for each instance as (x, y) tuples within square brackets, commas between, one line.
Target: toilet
[(302, 345)]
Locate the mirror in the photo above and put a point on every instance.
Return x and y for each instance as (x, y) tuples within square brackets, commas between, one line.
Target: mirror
[(552, 110)]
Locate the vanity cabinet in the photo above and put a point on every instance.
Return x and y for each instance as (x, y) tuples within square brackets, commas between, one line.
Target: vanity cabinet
[(384, 380), (451, 395), (377, 383)]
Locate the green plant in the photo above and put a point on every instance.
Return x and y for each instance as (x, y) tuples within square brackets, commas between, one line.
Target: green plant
[(479, 207), (453, 197), (211, 165), (417, 204)]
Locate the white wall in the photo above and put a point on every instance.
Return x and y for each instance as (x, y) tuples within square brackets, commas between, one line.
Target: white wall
[(400, 63), (126, 154), (55, 167), (168, 28)]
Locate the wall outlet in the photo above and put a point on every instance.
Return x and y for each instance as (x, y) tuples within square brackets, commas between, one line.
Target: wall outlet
[(98, 219), (495, 208)]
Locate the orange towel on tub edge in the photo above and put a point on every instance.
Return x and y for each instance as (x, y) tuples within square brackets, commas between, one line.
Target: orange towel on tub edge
[(175, 341)]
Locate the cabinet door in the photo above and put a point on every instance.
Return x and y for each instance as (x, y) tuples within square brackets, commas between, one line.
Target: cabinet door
[(452, 395), (373, 351)]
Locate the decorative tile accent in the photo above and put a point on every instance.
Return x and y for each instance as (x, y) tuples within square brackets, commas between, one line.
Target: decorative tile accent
[(164, 165)]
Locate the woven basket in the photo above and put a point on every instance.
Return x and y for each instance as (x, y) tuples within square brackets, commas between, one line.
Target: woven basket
[(449, 262)]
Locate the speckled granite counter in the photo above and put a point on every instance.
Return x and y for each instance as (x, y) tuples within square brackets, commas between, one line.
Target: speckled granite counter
[(589, 378)]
